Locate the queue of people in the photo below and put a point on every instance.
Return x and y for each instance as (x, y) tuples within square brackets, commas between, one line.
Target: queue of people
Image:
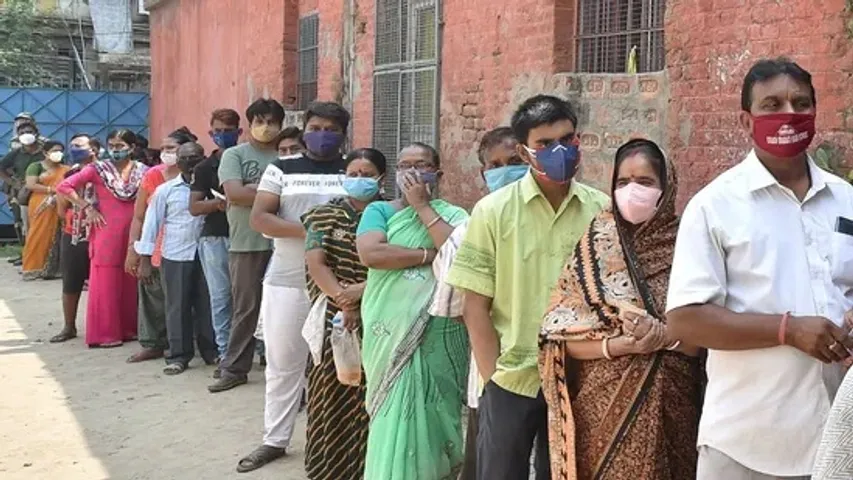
[(597, 332)]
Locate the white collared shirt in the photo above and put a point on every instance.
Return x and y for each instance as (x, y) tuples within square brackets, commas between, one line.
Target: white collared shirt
[(170, 209), (747, 244)]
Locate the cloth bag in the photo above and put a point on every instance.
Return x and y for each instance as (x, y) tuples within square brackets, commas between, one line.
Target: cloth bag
[(313, 329)]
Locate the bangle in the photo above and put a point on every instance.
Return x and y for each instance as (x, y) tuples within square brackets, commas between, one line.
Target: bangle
[(783, 326), (426, 254), (674, 345), (433, 222), (605, 350)]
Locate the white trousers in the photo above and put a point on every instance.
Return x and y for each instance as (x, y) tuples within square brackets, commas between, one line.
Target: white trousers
[(284, 311)]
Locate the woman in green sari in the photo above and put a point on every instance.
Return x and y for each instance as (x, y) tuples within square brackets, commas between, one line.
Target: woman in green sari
[(415, 364)]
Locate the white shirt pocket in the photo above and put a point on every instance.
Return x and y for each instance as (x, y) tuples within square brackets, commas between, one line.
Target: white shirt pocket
[(841, 248)]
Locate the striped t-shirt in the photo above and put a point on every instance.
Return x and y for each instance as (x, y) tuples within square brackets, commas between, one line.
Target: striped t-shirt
[(300, 183)]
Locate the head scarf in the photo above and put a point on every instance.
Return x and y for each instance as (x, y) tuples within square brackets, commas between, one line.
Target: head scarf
[(611, 266)]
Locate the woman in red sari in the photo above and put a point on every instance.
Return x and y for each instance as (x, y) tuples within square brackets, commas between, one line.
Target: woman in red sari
[(111, 311)]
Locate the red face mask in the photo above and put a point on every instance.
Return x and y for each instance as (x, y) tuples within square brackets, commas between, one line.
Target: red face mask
[(783, 135)]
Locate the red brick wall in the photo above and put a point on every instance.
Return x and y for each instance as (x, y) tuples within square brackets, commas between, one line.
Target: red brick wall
[(208, 55), (710, 47), (491, 55)]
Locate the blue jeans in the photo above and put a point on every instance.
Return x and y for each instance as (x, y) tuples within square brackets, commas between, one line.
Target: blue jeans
[(213, 253)]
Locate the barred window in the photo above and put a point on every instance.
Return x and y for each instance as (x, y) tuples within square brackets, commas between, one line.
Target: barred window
[(608, 30), (405, 83), (309, 34)]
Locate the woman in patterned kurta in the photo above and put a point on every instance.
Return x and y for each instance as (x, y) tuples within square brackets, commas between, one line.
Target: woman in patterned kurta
[(623, 399), (337, 420)]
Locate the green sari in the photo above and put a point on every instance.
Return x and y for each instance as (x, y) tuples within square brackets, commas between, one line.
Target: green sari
[(415, 364)]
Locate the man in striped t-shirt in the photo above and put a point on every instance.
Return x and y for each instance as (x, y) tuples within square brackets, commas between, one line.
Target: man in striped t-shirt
[(288, 189)]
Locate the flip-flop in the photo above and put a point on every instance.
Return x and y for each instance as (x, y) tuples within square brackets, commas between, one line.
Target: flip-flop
[(63, 336), (175, 369), (260, 457), (106, 345)]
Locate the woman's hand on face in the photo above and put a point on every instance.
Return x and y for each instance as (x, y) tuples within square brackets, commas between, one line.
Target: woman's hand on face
[(656, 339), (415, 190)]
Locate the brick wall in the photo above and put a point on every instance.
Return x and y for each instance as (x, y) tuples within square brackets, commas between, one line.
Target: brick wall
[(711, 45), (208, 55)]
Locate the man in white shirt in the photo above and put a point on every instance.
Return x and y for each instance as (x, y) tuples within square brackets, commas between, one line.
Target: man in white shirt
[(762, 277)]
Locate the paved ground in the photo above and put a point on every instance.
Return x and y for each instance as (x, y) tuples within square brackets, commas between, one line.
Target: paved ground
[(70, 413)]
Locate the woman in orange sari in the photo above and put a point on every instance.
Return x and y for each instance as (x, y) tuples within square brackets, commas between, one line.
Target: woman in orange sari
[(623, 395), (41, 251)]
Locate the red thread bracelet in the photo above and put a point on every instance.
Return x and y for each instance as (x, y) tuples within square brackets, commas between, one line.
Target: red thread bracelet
[(783, 326)]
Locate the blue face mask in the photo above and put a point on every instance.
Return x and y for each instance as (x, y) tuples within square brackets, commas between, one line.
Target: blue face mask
[(324, 143), (361, 188), (556, 162), (225, 139), (79, 154), (497, 178), (119, 155)]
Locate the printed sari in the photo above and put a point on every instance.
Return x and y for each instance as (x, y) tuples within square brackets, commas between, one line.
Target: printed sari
[(415, 364), (635, 416), (41, 250)]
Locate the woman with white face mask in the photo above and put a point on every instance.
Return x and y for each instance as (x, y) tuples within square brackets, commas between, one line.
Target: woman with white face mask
[(623, 392), (41, 251)]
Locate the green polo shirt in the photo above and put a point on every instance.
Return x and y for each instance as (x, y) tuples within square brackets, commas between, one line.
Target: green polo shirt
[(513, 252)]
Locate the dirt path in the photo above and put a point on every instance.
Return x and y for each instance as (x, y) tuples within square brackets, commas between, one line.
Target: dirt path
[(70, 413)]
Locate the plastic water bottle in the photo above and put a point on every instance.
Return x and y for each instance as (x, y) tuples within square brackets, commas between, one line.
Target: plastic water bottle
[(338, 321)]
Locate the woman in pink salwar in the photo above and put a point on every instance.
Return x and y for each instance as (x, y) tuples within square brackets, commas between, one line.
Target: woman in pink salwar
[(111, 311)]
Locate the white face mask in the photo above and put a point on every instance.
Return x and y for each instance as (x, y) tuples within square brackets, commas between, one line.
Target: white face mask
[(169, 158), (27, 139), (55, 157)]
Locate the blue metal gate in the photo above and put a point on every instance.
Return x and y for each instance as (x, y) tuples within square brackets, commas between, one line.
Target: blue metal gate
[(60, 114)]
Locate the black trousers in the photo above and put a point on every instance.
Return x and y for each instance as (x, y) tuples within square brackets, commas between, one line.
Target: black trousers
[(509, 426), (187, 312)]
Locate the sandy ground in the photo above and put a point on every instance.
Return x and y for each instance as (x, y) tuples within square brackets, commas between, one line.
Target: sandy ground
[(71, 413)]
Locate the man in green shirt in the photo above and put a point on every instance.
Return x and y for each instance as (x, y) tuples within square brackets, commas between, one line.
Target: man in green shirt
[(240, 170), (518, 239)]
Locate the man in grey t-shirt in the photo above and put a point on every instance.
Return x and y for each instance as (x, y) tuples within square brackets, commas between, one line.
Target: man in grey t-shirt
[(240, 170)]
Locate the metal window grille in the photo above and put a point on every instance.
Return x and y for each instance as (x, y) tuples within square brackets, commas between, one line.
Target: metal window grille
[(309, 34), (405, 79), (609, 29)]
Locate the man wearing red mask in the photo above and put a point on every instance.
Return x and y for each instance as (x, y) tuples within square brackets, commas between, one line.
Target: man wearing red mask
[(762, 277)]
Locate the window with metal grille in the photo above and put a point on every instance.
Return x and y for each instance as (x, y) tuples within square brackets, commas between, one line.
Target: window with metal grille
[(309, 34), (608, 30), (405, 78)]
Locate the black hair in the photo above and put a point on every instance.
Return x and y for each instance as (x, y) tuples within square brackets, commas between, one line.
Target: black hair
[(328, 110), (540, 110), (290, 132), (433, 153), (141, 141), (648, 149), (79, 135), (50, 144), (492, 139), (225, 115), (181, 136), (263, 107), (768, 69), (95, 144), (372, 155), (27, 123), (125, 135)]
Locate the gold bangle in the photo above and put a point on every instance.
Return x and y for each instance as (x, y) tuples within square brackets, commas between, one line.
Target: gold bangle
[(433, 222), (605, 350)]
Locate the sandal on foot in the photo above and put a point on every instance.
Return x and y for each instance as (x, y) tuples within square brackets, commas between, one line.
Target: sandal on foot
[(260, 457), (145, 354), (63, 336), (106, 345), (174, 369)]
